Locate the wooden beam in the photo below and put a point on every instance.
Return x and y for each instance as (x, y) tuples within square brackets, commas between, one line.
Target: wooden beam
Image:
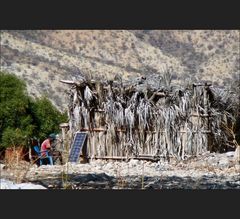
[(124, 158), (123, 130), (78, 83), (200, 115), (93, 130), (67, 81), (202, 84), (100, 130)]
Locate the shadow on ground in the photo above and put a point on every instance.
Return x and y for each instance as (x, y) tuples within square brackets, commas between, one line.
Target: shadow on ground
[(104, 181)]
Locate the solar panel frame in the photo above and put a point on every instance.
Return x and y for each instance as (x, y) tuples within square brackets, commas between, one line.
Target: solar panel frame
[(77, 145)]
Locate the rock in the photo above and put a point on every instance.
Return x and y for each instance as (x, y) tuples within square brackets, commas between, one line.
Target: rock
[(230, 154), (233, 184), (134, 163), (30, 186), (223, 163), (237, 166), (162, 166), (150, 185), (6, 184), (153, 165), (211, 161), (2, 166), (108, 166)]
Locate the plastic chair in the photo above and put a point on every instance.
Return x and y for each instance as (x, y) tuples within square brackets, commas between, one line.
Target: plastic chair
[(39, 153)]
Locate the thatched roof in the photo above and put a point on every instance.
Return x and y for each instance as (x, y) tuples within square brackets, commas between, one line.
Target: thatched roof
[(149, 105)]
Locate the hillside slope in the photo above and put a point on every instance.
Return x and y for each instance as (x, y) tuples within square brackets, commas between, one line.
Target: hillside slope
[(44, 57)]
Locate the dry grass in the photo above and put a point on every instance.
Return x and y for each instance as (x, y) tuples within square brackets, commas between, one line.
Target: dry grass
[(16, 165)]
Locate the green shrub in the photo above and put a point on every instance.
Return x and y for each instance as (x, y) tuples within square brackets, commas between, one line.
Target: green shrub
[(14, 137)]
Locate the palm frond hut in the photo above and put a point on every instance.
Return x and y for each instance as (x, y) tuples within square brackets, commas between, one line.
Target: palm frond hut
[(150, 120)]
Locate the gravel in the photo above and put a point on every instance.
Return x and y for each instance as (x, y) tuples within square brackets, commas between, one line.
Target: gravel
[(208, 171)]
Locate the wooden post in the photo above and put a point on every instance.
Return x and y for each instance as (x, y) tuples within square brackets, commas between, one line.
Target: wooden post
[(207, 125), (93, 143), (64, 127), (183, 140), (30, 154)]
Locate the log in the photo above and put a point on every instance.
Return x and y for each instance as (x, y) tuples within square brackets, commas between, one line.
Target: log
[(67, 82), (125, 158)]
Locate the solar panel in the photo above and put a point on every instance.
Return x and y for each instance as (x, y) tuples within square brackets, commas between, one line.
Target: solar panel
[(78, 142)]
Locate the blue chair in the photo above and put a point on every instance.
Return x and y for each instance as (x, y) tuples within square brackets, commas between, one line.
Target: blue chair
[(40, 157)]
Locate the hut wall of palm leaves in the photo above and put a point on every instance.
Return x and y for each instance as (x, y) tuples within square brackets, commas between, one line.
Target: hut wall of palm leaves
[(139, 118)]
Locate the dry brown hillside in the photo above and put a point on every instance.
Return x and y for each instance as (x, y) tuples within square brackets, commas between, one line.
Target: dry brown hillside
[(43, 57)]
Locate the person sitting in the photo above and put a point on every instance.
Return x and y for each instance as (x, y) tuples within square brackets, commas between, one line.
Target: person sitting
[(47, 144)]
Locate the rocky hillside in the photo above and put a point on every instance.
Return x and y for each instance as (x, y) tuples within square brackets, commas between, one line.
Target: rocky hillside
[(44, 57)]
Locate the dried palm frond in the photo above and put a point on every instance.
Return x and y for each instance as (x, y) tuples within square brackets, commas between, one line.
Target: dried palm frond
[(158, 119)]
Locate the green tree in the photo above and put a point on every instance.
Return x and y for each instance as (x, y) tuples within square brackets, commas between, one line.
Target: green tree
[(21, 116), (46, 117), (14, 104)]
